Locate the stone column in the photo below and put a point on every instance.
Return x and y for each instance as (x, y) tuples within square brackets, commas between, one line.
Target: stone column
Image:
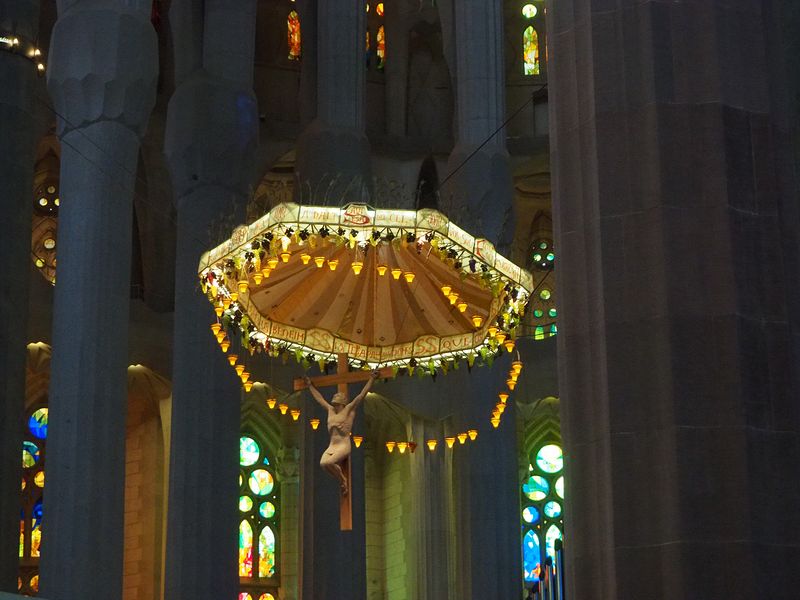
[(102, 79), (212, 131), (676, 219), (482, 187), (288, 465), (18, 128), (397, 19), (334, 562), (333, 151), (485, 497)]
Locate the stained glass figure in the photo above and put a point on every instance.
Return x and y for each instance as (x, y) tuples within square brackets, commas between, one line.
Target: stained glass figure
[(261, 482), (531, 556), (30, 454), (248, 451), (530, 51), (381, 51), (293, 35), (37, 423), (536, 488), (266, 552), (550, 459), (245, 549)]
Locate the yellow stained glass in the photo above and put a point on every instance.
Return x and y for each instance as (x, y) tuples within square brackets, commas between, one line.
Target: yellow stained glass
[(379, 9), (21, 539), (530, 51), (245, 549), (293, 34), (381, 39), (36, 539), (38, 479), (266, 553)]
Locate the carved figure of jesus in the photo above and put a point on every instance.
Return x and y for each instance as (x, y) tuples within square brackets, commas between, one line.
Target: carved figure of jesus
[(341, 415)]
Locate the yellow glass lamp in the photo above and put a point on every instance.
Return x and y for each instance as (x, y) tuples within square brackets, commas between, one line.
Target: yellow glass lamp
[(218, 309), (272, 262), (239, 370), (509, 344), (245, 376), (496, 413), (314, 424), (477, 321), (382, 270), (305, 257), (319, 261), (357, 439), (492, 331), (462, 438), (357, 265), (271, 402), (220, 337), (285, 256), (503, 397), (409, 276), (257, 278), (226, 302), (462, 306), (495, 422), (242, 286), (500, 407), (512, 374), (517, 366), (248, 385), (232, 359), (266, 272), (390, 446), (215, 327), (453, 297), (332, 264), (446, 290), (225, 344), (431, 445), (450, 441), (511, 384), (401, 446), (472, 433), (295, 414), (283, 408), (501, 336), (396, 273), (234, 296)]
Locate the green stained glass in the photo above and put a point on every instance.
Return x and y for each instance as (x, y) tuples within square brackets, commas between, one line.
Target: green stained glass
[(245, 503), (261, 482), (537, 257), (553, 329), (266, 552), (536, 488), (529, 11), (267, 510), (538, 313), (530, 53), (543, 245), (550, 459), (551, 257), (552, 312), (30, 454), (245, 549), (538, 333), (530, 514), (552, 510), (545, 294), (248, 451), (553, 534), (560, 487)]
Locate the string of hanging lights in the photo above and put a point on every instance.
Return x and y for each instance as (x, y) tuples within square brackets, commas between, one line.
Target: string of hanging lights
[(19, 45)]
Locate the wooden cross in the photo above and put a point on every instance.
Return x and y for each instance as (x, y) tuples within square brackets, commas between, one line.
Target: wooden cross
[(342, 378)]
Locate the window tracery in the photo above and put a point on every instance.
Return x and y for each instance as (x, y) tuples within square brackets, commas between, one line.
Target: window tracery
[(32, 493)]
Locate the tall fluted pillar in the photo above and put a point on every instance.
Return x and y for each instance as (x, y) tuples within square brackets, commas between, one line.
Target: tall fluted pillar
[(480, 189), (288, 465), (212, 131), (17, 126), (333, 151), (102, 79), (676, 218)]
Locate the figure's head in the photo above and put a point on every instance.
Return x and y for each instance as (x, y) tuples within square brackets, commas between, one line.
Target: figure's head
[(338, 399)]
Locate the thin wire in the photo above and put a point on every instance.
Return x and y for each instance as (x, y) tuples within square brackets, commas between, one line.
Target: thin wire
[(489, 139)]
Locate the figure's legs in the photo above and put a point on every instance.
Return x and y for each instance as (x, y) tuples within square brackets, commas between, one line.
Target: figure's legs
[(333, 467)]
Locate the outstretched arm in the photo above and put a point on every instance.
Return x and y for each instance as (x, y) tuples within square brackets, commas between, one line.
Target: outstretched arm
[(358, 399), (315, 392)]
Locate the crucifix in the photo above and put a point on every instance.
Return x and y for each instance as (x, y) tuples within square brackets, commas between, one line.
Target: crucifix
[(341, 413)]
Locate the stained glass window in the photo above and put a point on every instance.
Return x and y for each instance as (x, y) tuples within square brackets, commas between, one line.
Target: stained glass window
[(529, 11), (293, 35), (542, 511), (381, 47), (379, 9), (258, 539), (31, 522), (530, 51)]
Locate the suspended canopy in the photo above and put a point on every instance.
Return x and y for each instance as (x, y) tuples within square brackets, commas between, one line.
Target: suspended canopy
[(385, 287)]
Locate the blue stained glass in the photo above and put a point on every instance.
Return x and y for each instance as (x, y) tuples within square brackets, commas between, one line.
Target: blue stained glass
[(553, 534), (536, 488), (552, 509), (30, 454), (37, 423), (531, 556), (530, 514), (36, 513)]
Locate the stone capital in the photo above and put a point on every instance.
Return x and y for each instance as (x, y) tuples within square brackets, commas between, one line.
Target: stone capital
[(212, 132)]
